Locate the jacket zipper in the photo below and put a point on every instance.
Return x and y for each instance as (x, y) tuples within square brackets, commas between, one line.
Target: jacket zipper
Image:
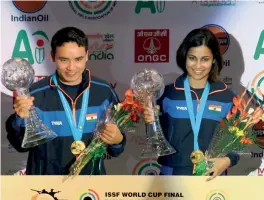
[(73, 104), (74, 111)]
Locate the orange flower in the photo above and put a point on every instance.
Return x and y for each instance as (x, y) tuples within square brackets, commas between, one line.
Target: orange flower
[(236, 100), (244, 115), (245, 140), (229, 115), (129, 93), (234, 109), (239, 104), (244, 102), (129, 97)]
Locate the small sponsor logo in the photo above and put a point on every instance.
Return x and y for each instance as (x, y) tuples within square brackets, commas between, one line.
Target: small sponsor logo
[(257, 87), (89, 195), (23, 46), (56, 123), (259, 134), (154, 7), (147, 167), (181, 107), (101, 46), (214, 3), (46, 195), (92, 10), (216, 195)]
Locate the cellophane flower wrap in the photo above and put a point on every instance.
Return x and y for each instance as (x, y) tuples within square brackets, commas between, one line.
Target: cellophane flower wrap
[(125, 115), (234, 133)]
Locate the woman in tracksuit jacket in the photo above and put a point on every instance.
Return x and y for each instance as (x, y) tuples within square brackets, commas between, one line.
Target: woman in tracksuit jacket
[(200, 90)]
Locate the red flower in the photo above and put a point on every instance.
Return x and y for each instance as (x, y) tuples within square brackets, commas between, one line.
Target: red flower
[(126, 107), (134, 116)]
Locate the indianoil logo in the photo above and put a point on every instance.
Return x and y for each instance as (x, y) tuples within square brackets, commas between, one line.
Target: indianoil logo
[(29, 6), (221, 34)]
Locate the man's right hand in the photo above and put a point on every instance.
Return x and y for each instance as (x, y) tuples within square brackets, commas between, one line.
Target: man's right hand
[(22, 105), (148, 114)]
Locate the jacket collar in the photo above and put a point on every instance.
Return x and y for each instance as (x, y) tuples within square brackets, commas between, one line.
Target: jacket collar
[(216, 87), (86, 78)]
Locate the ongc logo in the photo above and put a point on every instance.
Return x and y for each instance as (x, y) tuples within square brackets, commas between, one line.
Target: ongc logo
[(152, 46)]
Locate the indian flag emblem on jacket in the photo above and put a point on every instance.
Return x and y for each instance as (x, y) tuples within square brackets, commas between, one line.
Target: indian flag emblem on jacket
[(215, 108), (91, 117)]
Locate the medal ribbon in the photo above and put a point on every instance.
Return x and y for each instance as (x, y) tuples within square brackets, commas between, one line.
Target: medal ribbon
[(76, 131), (195, 120)]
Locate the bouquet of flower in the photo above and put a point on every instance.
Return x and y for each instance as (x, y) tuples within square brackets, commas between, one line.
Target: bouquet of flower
[(233, 134), (125, 115)]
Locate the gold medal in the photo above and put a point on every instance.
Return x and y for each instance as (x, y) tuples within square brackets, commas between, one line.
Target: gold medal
[(77, 147), (197, 156)]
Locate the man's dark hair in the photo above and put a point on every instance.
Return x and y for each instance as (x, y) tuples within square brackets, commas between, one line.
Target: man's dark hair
[(69, 34), (196, 38)]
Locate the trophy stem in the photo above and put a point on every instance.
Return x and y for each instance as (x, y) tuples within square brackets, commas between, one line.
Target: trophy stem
[(156, 143), (23, 92)]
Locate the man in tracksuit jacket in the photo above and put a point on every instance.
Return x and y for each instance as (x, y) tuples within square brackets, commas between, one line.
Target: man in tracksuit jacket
[(69, 51), (177, 128)]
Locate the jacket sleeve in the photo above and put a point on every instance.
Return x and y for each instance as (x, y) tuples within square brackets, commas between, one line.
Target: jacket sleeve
[(117, 149), (234, 158), (15, 127)]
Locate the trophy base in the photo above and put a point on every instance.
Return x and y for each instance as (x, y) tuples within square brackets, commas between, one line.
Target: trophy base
[(35, 139), (156, 148), (36, 132)]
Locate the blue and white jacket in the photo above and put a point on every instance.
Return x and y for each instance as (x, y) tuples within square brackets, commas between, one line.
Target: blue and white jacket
[(176, 125), (55, 157)]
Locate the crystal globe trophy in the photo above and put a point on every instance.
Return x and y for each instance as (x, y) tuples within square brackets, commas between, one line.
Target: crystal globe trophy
[(17, 75), (148, 86)]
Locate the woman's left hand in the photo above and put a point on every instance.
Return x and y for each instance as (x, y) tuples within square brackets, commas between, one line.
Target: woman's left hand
[(220, 165)]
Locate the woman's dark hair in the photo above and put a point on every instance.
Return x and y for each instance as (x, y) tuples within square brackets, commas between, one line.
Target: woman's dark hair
[(69, 34), (196, 38)]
